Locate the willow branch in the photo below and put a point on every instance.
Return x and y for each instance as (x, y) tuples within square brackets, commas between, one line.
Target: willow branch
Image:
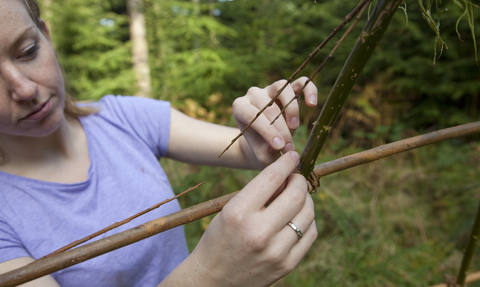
[(347, 19), (358, 58), (325, 61), (118, 224), (44, 266), (394, 148), (71, 257)]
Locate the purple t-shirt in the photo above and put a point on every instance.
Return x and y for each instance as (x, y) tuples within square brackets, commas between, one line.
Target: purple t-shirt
[(125, 139)]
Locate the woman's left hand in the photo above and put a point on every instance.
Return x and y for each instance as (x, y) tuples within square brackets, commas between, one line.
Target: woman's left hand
[(266, 140)]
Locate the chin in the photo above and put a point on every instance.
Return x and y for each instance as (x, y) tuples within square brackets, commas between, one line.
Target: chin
[(54, 124), (55, 119), (48, 125)]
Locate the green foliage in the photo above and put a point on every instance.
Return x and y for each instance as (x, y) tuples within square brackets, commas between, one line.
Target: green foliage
[(224, 47), (403, 86), (92, 44), (467, 9)]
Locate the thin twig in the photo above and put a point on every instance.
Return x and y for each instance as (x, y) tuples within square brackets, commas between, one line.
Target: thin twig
[(471, 245), (117, 224), (347, 19), (82, 253), (339, 42)]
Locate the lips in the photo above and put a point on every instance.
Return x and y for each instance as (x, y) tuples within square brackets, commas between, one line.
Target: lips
[(39, 113)]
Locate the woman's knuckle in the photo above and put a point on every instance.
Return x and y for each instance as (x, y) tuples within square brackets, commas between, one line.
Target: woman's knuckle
[(298, 198), (289, 266), (275, 257), (272, 110), (273, 176), (237, 102), (314, 233), (264, 159), (253, 90), (233, 216), (309, 214), (238, 106), (301, 181), (257, 241)]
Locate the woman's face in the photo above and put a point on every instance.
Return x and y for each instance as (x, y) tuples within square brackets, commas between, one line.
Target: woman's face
[(32, 90)]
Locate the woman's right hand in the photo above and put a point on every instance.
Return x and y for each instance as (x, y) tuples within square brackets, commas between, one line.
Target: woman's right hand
[(250, 243)]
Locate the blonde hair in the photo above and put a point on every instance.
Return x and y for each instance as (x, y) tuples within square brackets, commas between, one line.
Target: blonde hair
[(70, 108)]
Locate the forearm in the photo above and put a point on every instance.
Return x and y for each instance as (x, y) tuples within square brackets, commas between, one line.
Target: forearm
[(188, 274), (197, 142)]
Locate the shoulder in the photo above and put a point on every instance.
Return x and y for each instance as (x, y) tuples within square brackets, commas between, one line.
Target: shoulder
[(140, 118), (128, 109), (127, 104)]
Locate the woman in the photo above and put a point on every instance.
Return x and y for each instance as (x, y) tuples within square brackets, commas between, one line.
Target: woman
[(69, 171)]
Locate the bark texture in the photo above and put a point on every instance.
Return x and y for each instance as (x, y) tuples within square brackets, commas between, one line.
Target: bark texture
[(138, 36)]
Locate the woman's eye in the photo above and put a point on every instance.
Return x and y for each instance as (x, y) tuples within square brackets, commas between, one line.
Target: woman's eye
[(30, 52)]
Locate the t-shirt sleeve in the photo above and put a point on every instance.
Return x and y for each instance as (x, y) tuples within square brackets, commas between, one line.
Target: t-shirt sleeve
[(10, 246), (148, 119)]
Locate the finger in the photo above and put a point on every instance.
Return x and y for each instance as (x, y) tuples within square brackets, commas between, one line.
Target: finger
[(291, 113), (262, 98), (287, 240), (278, 136), (301, 247), (290, 202), (302, 220), (262, 149), (310, 91), (277, 193), (257, 192), (245, 113)]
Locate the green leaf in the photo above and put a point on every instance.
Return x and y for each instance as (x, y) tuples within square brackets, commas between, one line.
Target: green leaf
[(467, 8)]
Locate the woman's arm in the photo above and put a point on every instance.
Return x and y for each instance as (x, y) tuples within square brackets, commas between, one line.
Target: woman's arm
[(199, 142), (249, 243)]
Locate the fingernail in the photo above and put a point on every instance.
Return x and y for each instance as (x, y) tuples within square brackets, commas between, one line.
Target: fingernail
[(278, 142), (313, 99), (294, 122), (295, 156), (289, 147)]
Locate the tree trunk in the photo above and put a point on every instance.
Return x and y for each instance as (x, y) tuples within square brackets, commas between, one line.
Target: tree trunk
[(138, 36)]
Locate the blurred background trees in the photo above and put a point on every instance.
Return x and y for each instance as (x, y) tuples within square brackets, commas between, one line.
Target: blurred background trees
[(212, 51), (401, 222)]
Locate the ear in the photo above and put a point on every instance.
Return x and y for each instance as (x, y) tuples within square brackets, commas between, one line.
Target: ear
[(45, 29)]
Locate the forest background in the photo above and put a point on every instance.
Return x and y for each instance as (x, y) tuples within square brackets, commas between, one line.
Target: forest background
[(402, 221)]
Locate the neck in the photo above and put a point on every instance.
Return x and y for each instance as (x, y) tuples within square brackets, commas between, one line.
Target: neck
[(18, 150), (59, 157)]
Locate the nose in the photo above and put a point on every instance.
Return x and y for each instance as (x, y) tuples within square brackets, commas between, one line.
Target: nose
[(19, 85)]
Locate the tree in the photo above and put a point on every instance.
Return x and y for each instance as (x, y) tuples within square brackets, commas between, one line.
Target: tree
[(138, 37)]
